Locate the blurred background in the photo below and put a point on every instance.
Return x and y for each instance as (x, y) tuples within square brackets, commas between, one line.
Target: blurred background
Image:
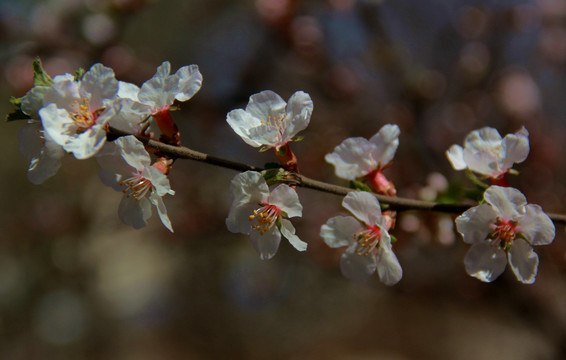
[(75, 283)]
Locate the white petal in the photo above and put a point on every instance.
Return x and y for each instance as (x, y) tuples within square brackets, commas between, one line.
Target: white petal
[(87, 143), (161, 210), (100, 85), (159, 180), (128, 90), (32, 101), (238, 218), (110, 160), (536, 226), (267, 244), (484, 162), (456, 157), (476, 223), (482, 139), (286, 199), (189, 82), (127, 115), (340, 230), (161, 89), (47, 163), (357, 267), (110, 179), (133, 212), (485, 262), (249, 187), (386, 141), (351, 159), (30, 142), (388, 267), (241, 122), (508, 202), (63, 93), (266, 105), (523, 261), (363, 206), (515, 148), (57, 123), (299, 111), (288, 231), (133, 152)]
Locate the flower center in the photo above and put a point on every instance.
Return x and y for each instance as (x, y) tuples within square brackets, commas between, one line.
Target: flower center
[(503, 234), (83, 117), (265, 217), (275, 122), (137, 186), (367, 239)]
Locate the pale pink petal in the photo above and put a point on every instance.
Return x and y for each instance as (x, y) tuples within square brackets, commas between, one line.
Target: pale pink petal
[(288, 231), (267, 244), (523, 261), (386, 141), (508, 202), (536, 226), (340, 231), (484, 261), (286, 199), (476, 223), (357, 267), (363, 206)]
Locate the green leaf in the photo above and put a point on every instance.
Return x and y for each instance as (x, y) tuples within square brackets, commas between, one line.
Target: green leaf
[(16, 101), (393, 238), (40, 77), (297, 138), (513, 172), (264, 148), (358, 185), (79, 74), (17, 115)]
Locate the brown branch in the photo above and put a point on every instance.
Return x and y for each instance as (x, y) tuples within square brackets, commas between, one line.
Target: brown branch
[(395, 203)]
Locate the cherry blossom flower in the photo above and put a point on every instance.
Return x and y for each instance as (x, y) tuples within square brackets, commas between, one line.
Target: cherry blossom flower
[(155, 98), (262, 215), (503, 230), (367, 240), (486, 153), (269, 121), (126, 167), (77, 111), (358, 157)]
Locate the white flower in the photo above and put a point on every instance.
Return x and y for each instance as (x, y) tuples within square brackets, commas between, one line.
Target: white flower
[(155, 97), (269, 121), (486, 153), (503, 229), (78, 111), (126, 167), (258, 213), (357, 157), (368, 243)]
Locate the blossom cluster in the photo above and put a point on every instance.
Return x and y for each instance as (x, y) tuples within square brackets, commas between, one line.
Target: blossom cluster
[(75, 114)]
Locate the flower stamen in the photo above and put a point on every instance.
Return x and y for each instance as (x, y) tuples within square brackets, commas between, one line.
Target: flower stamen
[(367, 240), (266, 216), (503, 234), (137, 186)]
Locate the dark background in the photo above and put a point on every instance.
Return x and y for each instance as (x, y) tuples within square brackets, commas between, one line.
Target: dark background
[(75, 283)]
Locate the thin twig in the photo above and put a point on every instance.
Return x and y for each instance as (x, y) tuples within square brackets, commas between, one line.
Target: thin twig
[(395, 203)]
